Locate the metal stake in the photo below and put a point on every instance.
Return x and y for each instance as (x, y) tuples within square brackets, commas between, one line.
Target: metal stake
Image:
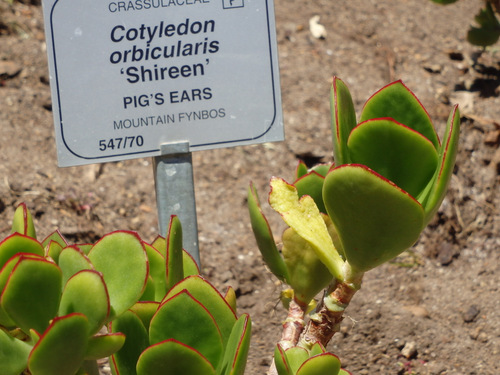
[(174, 183)]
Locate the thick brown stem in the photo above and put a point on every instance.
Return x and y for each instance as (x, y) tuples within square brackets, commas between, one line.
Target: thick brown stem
[(326, 322)]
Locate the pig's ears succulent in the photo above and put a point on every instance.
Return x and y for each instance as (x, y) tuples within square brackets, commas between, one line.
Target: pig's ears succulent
[(392, 172)]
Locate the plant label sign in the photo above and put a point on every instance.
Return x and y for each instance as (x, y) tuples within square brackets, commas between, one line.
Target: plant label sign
[(130, 75)]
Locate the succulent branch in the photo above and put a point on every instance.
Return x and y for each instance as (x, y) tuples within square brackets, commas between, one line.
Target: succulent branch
[(390, 176)]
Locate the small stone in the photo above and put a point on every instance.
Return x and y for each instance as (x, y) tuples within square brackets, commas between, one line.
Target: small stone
[(470, 315), (410, 350)]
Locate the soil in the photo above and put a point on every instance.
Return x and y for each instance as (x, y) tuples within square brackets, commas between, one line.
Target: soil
[(434, 310)]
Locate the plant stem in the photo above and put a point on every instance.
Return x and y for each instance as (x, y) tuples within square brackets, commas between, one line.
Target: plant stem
[(326, 321), (292, 328)]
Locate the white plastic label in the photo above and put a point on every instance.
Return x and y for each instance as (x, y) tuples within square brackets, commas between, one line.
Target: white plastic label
[(129, 76)]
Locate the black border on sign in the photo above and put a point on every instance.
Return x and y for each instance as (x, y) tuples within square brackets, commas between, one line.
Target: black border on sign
[(191, 146)]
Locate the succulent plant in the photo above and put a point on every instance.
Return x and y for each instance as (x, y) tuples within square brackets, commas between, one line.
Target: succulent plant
[(390, 176), (63, 306)]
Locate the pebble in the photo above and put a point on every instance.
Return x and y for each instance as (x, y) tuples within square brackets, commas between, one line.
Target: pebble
[(410, 350), (9, 69), (470, 314)]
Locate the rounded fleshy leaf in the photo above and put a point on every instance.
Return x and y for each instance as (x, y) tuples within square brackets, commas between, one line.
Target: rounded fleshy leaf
[(57, 237), (306, 220), (145, 310), (399, 103), (322, 364), (444, 171), (189, 265), (61, 348), (71, 261), (157, 272), (185, 319), (14, 354), (122, 260), (19, 243), (86, 293), (211, 299), (102, 346), (264, 236), (32, 292), (296, 356), (300, 170), (171, 357), (343, 120), (395, 151), (236, 353), (53, 250), (312, 184), (281, 361), (124, 361), (23, 222), (175, 270), (160, 244), (375, 220), (307, 274), (316, 349), (5, 272)]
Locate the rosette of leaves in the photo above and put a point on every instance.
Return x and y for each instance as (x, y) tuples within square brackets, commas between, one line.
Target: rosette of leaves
[(55, 298), (191, 329), (390, 176), (300, 361), (391, 173)]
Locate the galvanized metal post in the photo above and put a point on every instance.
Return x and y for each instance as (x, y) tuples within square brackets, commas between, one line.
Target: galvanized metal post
[(174, 184)]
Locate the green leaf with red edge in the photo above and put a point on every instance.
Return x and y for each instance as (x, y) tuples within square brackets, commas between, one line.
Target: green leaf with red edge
[(171, 357), (160, 244), (312, 184), (32, 293), (86, 293), (300, 170), (157, 272), (236, 353), (281, 361), (19, 243), (189, 265), (316, 349), (53, 250), (145, 310), (13, 354), (122, 260), (23, 222), (102, 346), (296, 356), (125, 360), (175, 269), (264, 237), (326, 363), (399, 103), (185, 319), (61, 348), (343, 120), (211, 299), (447, 155), (375, 219), (71, 261), (57, 237), (5, 272), (344, 372), (395, 151)]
